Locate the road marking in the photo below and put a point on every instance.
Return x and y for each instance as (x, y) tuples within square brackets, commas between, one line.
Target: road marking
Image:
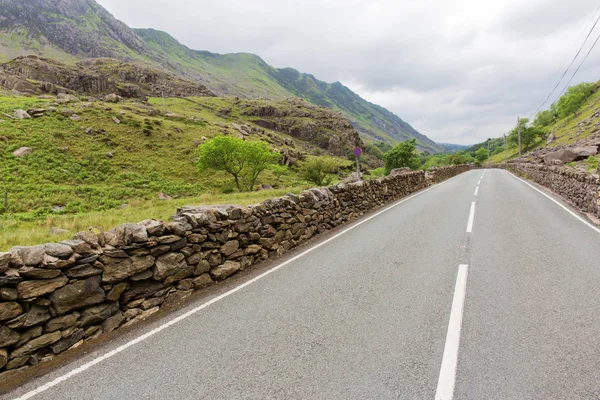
[(557, 202), (195, 310), (476, 191), (447, 378), (471, 218)]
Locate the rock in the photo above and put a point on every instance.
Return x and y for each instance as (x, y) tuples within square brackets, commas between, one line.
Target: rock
[(58, 250), (113, 322), (4, 261), (142, 276), (82, 271), (109, 155), (3, 357), (264, 186), (151, 303), (112, 98), (75, 118), (36, 316), (77, 295), (8, 294), (22, 114), (96, 314), (203, 281), (35, 288), (168, 264), (176, 299), (118, 269), (63, 98), (17, 362), (141, 289), (38, 273), (551, 138), (22, 152), (570, 154), (61, 323), (162, 196), (57, 231), (29, 334), (8, 337), (116, 120), (225, 270), (129, 233), (35, 344), (252, 249), (116, 292), (202, 267), (182, 273), (32, 255), (67, 342), (230, 247)]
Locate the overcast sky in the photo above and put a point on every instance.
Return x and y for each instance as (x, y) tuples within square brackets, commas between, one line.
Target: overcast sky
[(459, 71)]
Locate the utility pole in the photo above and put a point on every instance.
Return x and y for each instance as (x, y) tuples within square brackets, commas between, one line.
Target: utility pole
[(519, 132), (505, 148), (489, 140)]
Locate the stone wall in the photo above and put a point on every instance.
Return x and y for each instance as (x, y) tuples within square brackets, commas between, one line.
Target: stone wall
[(54, 296), (579, 189)]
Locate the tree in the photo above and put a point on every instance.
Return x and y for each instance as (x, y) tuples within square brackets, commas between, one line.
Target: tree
[(318, 170), (544, 118), (279, 170), (243, 160), (529, 134), (403, 154), (574, 98), (480, 156)]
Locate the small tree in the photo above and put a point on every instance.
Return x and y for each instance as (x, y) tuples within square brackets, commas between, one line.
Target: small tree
[(318, 170), (279, 170), (529, 134), (243, 160), (402, 155), (573, 99), (480, 156)]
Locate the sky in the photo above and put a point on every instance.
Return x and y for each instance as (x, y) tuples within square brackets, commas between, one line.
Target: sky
[(459, 71)]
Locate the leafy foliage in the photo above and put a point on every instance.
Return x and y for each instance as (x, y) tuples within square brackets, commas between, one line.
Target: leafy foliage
[(480, 156), (573, 99), (319, 170), (403, 154), (243, 160), (529, 134)]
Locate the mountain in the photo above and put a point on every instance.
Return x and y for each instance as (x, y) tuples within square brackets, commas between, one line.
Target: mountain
[(72, 30), (452, 148)]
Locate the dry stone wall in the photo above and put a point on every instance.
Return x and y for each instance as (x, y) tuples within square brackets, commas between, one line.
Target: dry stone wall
[(580, 189), (55, 296)]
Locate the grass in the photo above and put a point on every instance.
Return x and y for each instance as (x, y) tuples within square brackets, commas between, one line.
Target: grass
[(18, 233)]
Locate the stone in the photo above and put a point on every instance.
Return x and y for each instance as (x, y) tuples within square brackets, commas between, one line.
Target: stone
[(570, 154), (8, 337), (154, 227), (66, 343), (230, 247), (118, 269), (203, 281), (75, 118), (131, 233), (551, 138), (32, 255), (38, 273), (35, 344), (35, 288), (112, 323), (63, 98), (168, 264), (61, 323), (264, 186), (8, 294), (177, 298), (147, 274), (22, 114), (163, 196), (37, 315), (29, 334), (77, 295), (82, 271), (115, 293), (197, 238), (252, 249), (151, 303), (116, 120), (58, 250), (17, 362), (141, 289), (214, 259), (96, 314), (202, 267), (185, 284), (185, 272), (5, 261), (225, 270), (3, 357), (112, 98)]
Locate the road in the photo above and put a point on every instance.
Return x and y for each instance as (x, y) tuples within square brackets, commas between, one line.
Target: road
[(408, 304)]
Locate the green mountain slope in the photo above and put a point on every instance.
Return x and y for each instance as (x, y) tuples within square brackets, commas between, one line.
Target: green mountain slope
[(71, 30)]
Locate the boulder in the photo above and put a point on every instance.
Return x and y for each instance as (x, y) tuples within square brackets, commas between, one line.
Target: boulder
[(22, 152), (570, 154), (168, 264), (118, 269), (225, 270), (112, 98), (77, 295), (36, 288), (22, 114), (63, 98)]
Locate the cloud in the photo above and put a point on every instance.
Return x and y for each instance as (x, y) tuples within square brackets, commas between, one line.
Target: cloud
[(457, 70)]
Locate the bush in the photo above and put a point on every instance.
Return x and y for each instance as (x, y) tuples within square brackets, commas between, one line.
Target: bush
[(318, 170), (402, 155)]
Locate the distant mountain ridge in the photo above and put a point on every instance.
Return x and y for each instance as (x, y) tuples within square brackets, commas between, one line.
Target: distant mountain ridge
[(71, 30)]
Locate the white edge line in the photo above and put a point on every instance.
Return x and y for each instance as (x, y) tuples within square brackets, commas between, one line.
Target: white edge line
[(471, 218), (158, 329), (476, 191), (557, 202), (447, 377)]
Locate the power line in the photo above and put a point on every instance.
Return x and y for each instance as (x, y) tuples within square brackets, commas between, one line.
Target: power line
[(571, 63)]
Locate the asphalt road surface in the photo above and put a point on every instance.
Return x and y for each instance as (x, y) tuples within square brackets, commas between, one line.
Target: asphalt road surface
[(479, 288)]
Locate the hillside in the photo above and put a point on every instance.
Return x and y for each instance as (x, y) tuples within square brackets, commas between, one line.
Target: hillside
[(72, 30)]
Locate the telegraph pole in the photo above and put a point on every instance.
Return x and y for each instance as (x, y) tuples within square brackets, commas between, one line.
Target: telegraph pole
[(489, 140), (505, 148), (519, 132)]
